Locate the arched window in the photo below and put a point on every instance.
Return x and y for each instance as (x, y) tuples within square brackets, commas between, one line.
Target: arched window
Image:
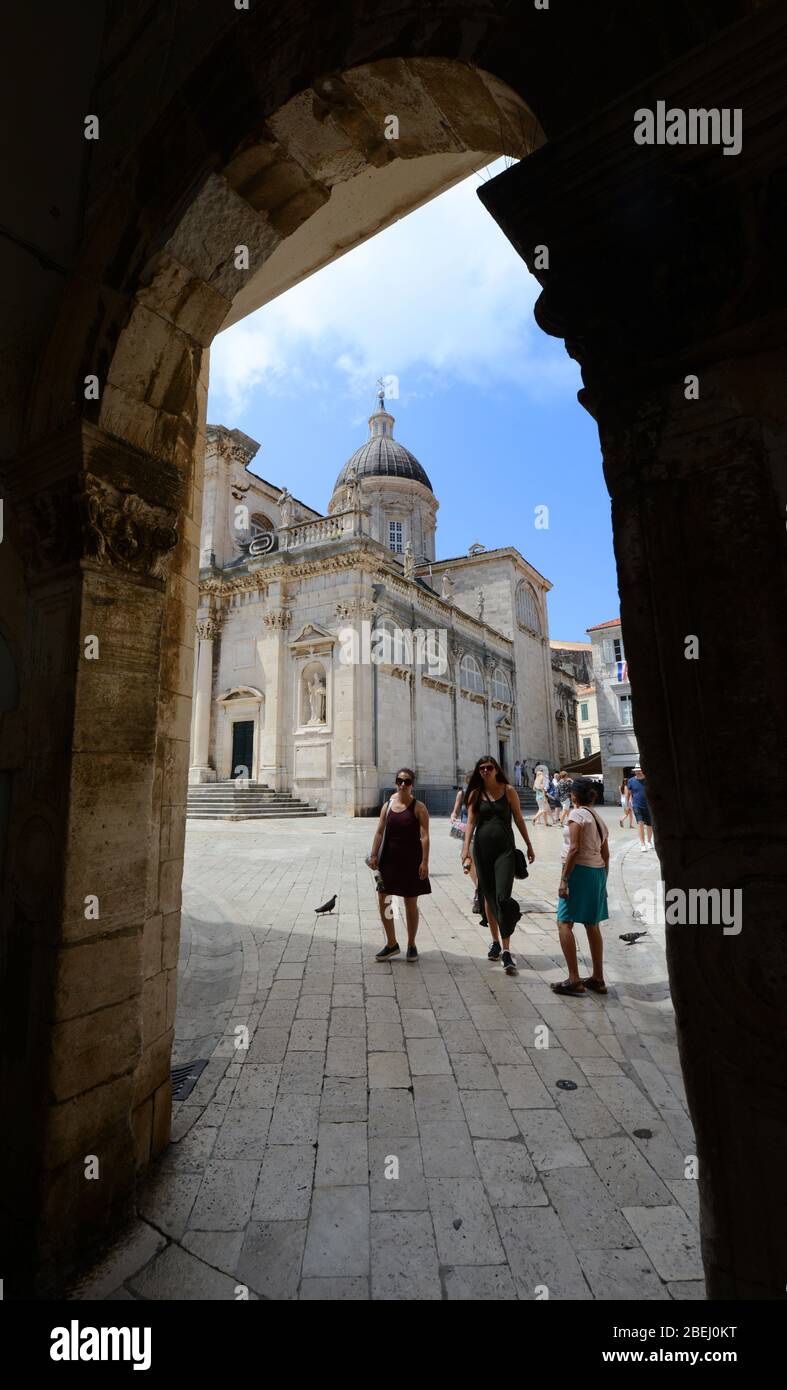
[(527, 613), (470, 677), (501, 688), (260, 524)]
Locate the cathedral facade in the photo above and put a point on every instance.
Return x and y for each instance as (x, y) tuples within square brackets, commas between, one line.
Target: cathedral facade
[(334, 647)]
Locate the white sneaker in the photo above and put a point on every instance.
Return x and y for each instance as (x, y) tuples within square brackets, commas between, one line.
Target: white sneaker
[(643, 849)]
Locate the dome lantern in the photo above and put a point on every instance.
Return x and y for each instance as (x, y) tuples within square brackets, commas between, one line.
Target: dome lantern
[(382, 456)]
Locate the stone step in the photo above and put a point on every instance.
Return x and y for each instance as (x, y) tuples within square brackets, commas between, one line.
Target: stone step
[(264, 799), (231, 802), (291, 813)]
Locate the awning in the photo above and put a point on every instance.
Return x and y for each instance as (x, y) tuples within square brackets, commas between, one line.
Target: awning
[(586, 767)]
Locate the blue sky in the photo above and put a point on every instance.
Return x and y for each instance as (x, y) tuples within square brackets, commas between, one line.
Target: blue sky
[(487, 402)]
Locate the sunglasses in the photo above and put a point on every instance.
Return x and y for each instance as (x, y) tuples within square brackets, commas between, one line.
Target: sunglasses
[(488, 767), (404, 781)]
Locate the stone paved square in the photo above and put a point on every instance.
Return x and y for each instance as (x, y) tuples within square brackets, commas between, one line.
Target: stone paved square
[(396, 1132)]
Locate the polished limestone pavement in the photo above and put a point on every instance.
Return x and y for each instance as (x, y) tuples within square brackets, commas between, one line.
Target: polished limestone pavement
[(404, 1131)]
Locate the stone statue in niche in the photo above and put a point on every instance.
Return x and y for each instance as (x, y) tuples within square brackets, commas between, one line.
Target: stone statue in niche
[(409, 562), (480, 605), (447, 591), (316, 691)]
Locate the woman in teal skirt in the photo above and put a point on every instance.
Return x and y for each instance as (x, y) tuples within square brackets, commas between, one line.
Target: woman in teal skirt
[(582, 895)]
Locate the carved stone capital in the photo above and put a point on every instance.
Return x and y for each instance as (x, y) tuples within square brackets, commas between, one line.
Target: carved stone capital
[(207, 629), (97, 501), (279, 620), (121, 530)]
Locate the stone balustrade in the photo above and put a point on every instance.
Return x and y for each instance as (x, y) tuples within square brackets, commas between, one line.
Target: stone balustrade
[(325, 528)]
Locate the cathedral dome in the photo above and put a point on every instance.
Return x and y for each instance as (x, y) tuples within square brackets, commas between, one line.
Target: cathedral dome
[(382, 456)]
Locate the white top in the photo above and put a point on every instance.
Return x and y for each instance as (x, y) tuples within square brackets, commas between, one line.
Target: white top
[(590, 840)]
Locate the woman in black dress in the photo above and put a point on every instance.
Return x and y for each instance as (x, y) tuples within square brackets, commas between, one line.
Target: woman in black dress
[(492, 805), (401, 855)]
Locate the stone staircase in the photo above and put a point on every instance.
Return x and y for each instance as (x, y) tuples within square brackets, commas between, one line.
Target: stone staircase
[(242, 801), (527, 800)]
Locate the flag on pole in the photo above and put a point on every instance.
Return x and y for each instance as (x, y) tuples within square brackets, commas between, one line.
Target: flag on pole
[(623, 670)]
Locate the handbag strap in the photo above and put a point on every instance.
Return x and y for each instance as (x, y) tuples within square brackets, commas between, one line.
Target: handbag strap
[(598, 825)]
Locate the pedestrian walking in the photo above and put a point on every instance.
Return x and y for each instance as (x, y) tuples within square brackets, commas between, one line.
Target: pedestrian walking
[(540, 789), (553, 800), (625, 805), (640, 807), (564, 795), (492, 805), (582, 892), (458, 827), (517, 773), (400, 854)]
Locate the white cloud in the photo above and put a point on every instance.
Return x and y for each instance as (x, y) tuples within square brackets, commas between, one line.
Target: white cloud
[(442, 293)]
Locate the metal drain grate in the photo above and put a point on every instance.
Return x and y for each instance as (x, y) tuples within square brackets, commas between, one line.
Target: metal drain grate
[(185, 1078)]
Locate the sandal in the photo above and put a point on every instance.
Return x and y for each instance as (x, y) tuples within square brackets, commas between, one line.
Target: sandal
[(566, 987), (598, 986)]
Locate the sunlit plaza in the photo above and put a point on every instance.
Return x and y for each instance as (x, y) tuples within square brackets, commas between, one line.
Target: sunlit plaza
[(437, 1131)]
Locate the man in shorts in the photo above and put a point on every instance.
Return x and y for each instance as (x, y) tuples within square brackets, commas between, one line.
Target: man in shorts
[(640, 807), (564, 795)]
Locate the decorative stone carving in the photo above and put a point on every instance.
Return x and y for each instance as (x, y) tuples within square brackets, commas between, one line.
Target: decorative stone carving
[(280, 620), (447, 588), (119, 529), (480, 605), (208, 629), (408, 563), (47, 535)]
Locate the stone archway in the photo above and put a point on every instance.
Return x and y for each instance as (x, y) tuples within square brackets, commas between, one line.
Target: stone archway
[(105, 499)]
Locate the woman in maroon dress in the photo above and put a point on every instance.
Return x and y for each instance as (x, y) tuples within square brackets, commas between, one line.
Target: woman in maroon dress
[(400, 853)]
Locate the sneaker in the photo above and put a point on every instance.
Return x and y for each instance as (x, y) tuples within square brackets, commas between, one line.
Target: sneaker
[(412, 954), (509, 964), (643, 849), (494, 951), (387, 952)]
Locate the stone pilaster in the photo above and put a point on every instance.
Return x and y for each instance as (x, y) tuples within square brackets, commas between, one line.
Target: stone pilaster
[(200, 769), (95, 853), (667, 279), (278, 716)]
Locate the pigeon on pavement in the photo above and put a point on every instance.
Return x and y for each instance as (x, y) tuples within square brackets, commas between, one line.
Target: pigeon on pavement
[(327, 907)]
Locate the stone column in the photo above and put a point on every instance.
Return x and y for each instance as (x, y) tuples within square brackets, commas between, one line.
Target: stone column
[(455, 656), (200, 770), (667, 278), (489, 666)]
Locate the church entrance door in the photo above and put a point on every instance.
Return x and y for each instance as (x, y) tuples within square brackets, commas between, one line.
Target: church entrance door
[(242, 747)]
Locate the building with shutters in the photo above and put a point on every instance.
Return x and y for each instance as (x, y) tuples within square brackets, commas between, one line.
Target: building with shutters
[(617, 739)]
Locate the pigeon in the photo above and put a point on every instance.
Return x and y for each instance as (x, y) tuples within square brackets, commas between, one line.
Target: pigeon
[(631, 936), (327, 907)]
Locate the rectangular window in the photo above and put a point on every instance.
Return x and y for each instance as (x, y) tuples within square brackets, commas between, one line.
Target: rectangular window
[(586, 749), (625, 710), (395, 541), (583, 713)]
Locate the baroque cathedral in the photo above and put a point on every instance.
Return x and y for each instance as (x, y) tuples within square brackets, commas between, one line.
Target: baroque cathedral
[(450, 658)]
